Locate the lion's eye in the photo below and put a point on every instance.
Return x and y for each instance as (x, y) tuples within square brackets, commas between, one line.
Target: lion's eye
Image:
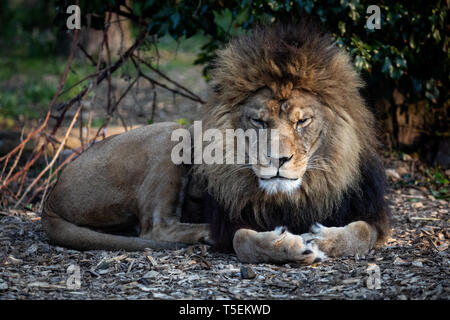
[(303, 122), (258, 122)]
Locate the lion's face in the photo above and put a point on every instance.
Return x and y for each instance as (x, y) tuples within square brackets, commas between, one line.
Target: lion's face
[(299, 121)]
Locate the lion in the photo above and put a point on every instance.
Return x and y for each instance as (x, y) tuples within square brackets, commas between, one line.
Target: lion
[(321, 195)]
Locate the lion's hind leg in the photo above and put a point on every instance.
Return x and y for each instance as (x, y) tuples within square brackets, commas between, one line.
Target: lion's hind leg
[(67, 234), (175, 231), (278, 246)]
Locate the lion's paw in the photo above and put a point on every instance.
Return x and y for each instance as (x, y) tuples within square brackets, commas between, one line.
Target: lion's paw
[(322, 237), (296, 249), (278, 246), (310, 254), (338, 241)]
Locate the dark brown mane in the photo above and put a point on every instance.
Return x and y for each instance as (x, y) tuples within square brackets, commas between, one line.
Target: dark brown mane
[(282, 57)]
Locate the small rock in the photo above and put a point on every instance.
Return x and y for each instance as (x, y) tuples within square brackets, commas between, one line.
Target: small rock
[(144, 282), (406, 157), (351, 280), (143, 287), (417, 263), (102, 266), (418, 205), (3, 285), (32, 249), (414, 192), (160, 296), (400, 262), (247, 272), (103, 271), (391, 173), (13, 260), (151, 274)]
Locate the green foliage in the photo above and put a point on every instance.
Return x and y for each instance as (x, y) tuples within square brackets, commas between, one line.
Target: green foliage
[(18, 105), (97, 123), (29, 103), (408, 52), (27, 85), (26, 27), (440, 184), (23, 91), (182, 121), (433, 179)]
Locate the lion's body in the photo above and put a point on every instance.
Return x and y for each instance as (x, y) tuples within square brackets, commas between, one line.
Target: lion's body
[(327, 171), (123, 185)]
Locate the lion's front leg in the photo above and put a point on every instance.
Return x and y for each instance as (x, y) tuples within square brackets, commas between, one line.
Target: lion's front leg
[(355, 238), (278, 246)]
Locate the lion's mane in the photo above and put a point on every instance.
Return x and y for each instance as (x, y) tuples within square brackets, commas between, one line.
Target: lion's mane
[(284, 58)]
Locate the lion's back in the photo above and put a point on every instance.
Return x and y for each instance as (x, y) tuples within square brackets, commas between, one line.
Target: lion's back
[(106, 176)]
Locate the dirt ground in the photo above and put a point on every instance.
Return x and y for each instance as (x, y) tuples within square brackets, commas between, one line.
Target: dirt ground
[(413, 265)]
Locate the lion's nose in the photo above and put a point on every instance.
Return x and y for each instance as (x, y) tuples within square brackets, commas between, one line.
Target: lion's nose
[(282, 160)]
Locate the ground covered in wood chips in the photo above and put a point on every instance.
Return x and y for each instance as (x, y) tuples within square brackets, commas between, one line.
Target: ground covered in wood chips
[(413, 265)]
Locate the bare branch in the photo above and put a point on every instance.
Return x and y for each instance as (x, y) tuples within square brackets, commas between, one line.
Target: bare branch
[(168, 79), (155, 82), (53, 160)]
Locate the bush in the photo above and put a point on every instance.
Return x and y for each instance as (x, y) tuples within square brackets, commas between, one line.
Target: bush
[(409, 52)]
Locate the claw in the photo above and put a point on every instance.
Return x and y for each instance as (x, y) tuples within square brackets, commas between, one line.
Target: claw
[(309, 237), (280, 230), (317, 260), (316, 227)]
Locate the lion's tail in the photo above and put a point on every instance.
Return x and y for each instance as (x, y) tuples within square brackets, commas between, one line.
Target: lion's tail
[(64, 233)]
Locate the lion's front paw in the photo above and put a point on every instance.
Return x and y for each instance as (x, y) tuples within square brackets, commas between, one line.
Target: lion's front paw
[(328, 240), (278, 246), (339, 241), (309, 253)]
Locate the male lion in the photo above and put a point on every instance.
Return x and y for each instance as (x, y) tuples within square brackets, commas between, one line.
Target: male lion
[(321, 195)]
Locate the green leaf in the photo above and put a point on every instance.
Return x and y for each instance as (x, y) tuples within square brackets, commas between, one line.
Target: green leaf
[(412, 40), (341, 26), (175, 18), (437, 35), (359, 63), (387, 67), (400, 62), (182, 121)]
